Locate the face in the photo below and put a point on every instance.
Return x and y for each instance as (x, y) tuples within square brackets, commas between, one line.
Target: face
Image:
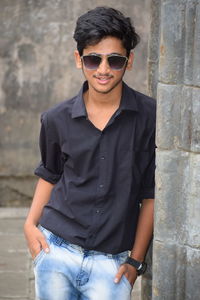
[(104, 79)]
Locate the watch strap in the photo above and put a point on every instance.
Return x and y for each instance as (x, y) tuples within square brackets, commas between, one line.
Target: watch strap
[(139, 266), (133, 262)]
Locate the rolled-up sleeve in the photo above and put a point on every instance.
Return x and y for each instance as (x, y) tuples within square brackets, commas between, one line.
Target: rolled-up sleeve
[(147, 190), (51, 165)]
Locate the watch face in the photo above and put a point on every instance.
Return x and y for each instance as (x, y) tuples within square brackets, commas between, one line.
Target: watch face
[(142, 269)]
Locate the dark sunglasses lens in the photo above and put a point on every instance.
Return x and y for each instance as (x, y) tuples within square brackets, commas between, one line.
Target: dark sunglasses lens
[(116, 62), (91, 61)]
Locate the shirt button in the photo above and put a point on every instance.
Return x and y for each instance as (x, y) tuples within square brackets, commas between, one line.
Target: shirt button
[(97, 211), (102, 157), (101, 186)]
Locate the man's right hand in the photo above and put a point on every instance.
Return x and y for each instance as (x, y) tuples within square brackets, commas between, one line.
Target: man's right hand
[(35, 240)]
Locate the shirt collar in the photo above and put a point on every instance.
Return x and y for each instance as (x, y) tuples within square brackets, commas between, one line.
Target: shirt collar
[(128, 101), (79, 109)]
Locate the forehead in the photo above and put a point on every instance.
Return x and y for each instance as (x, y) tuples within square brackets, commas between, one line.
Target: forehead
[(105, 46)]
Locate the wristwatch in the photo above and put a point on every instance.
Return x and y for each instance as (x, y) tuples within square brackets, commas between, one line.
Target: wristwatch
[(139, 266)]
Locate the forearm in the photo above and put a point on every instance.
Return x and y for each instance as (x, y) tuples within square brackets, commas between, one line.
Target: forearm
[(144, 230), (40, 199)]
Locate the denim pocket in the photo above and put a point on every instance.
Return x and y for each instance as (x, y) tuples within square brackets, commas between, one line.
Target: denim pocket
[(119, 260), (42, 253), (38, 257)]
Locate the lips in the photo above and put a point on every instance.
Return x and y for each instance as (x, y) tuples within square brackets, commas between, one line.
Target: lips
[(103, 79)]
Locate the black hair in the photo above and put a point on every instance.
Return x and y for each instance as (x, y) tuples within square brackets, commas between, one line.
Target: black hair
[(101, 22)]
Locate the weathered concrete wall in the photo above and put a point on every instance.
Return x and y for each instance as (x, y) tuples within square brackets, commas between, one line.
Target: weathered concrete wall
[(176, 249), (37, 70)]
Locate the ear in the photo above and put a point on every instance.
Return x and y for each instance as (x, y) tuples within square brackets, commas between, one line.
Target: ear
[(130, 61), (78, 59)]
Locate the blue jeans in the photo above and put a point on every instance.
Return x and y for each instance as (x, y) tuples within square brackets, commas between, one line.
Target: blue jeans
[(68, 272)]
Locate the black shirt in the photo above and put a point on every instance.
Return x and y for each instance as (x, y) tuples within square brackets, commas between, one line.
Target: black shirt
[(100, 177)]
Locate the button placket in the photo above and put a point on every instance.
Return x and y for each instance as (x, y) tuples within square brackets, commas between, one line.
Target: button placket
[(102, 166), (101, 189)]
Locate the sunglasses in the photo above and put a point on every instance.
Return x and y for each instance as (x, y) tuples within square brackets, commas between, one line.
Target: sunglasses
[(115, 61)]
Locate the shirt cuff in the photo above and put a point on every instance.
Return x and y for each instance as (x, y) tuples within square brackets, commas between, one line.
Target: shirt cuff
[(148, 193), (46, 174)]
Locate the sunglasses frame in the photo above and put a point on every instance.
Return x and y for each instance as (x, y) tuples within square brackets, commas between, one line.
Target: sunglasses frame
[(101, 57)]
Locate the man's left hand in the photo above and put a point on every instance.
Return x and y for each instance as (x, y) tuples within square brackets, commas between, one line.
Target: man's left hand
[(128, 271)]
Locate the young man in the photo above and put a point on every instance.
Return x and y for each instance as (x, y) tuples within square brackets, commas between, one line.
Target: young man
[(94, 199)]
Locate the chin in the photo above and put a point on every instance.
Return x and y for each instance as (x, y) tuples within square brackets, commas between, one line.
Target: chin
[(105, 89)]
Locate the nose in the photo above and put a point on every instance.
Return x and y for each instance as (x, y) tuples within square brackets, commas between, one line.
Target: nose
[(104, 66)]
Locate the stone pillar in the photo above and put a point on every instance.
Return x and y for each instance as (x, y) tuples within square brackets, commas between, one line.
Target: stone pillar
[(176, 248)]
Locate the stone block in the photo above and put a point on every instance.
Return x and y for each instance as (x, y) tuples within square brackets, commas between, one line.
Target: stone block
[(191, 192), (154, 38), (178, 122), (169, 271), (168, 115), (190, 121), (153, 48), (152, 78), (177, 197), (196, 57), (192, 278), (172, 38), (192, 44), (195, 140), (176, 272), (170, 205)]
